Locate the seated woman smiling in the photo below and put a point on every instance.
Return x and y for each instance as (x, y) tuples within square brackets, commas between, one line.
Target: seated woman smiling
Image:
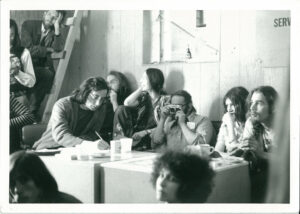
[(182, 177)]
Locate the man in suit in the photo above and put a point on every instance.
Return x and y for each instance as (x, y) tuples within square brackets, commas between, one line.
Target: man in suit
[(41, 38)]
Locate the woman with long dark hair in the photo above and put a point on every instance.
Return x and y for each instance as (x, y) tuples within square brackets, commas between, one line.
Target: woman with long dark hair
[(22, 75), (234, 119), (137, 118), (31, 181)]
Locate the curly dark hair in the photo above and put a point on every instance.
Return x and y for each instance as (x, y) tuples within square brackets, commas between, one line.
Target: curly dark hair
[(156, 79), (193, 172), (91, 84), (124, 87), (27, 166), (238, 96)]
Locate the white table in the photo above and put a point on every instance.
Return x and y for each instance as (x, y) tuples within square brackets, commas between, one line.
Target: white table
[(82, 178), (128, 181)]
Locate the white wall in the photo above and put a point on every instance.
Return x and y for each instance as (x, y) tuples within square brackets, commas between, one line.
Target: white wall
[(252, 52)]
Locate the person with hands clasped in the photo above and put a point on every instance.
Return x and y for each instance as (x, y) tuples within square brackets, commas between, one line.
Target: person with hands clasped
[(80, 118), (233, 120), (180, 126)]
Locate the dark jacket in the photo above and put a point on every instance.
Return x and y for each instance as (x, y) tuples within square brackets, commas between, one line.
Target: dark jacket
[(31, 39)]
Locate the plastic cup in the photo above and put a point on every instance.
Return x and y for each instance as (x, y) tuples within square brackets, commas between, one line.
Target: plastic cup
[(126, 144), (115, 146)]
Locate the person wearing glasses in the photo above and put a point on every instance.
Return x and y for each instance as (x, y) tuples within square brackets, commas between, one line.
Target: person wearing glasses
[(180, 126), (77, 119)]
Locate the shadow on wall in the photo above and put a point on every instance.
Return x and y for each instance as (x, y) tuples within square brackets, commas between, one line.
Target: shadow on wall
[(146, 37), (93, 42), (215, 107), (174, 81), (132, 80)]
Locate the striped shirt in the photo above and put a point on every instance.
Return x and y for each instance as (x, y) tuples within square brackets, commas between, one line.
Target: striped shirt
[(19, 114)]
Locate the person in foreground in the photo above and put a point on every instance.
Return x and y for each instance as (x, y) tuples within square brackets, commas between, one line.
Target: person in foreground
[(31, 182), (233, 120), (75, 119), (119, 88), (180, 126), (182, 177)]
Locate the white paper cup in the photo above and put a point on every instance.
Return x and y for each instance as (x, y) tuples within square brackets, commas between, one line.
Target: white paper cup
[(115, 146), (126, 144)]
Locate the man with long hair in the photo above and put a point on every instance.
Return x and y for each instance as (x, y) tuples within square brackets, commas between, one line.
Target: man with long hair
[(77, 118)]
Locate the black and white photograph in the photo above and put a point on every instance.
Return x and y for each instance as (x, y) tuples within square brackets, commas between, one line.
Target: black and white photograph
[(142, 108)]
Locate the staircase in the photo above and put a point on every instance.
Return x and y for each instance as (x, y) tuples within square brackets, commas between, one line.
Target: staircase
[(63, 57)]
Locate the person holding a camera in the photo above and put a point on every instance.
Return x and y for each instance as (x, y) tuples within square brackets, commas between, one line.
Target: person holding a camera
[(180, 126)]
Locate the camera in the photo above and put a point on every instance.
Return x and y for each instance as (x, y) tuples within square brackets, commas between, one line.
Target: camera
[(174, 108)]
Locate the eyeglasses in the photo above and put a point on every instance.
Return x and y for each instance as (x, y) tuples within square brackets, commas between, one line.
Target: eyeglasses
[(96, 98)]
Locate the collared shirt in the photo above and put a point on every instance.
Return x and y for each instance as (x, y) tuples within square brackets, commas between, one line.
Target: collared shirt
[(44, 32), (260, 140), (201, 125)]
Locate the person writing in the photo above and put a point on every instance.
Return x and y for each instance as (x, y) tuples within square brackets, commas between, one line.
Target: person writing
[(77, 119)]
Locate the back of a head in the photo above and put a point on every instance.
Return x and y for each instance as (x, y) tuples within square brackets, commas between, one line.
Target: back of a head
[(193, 172), (156, 79)]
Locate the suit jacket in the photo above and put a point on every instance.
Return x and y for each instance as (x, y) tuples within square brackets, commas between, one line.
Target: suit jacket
[(31, 39)]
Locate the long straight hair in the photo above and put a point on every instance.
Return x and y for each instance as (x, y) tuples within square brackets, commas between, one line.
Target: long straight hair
[(91, 84)]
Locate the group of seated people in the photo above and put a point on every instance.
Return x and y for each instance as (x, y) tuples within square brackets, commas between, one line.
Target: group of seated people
[(31, 68), (152, 118), (157, 121)]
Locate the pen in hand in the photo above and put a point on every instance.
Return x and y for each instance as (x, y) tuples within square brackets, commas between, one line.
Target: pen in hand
[(100, 138), (103, 144)]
